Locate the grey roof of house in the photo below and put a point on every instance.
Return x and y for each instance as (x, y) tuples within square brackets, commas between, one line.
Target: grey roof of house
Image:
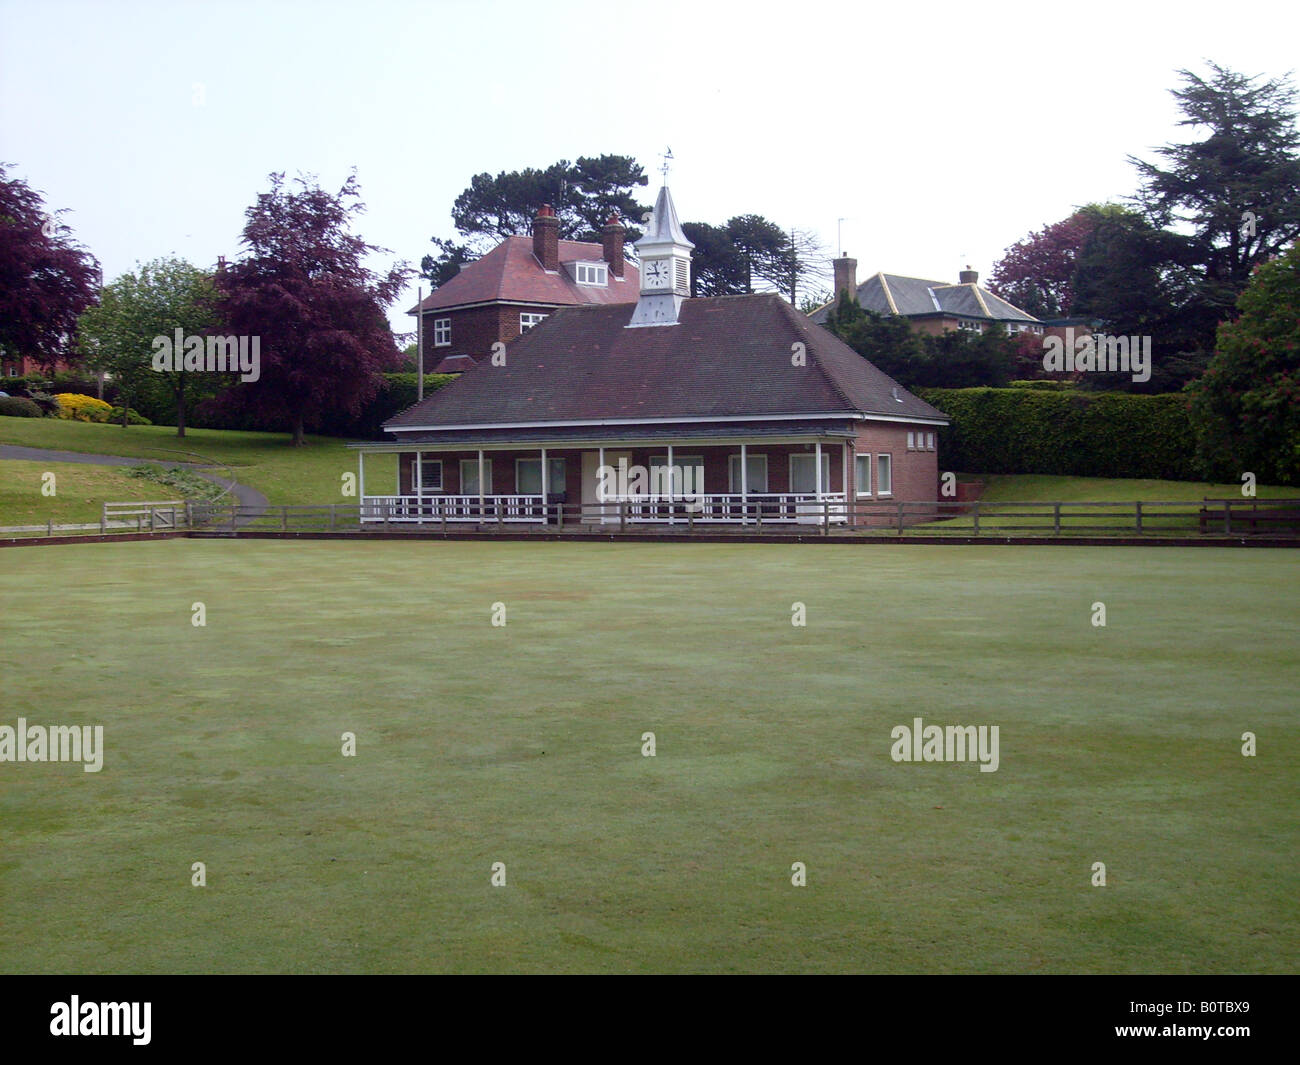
[(916, 297), (727, 357)]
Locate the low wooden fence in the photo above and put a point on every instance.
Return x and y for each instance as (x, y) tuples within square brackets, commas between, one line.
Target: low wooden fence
[(977, 518), (1235, 518)]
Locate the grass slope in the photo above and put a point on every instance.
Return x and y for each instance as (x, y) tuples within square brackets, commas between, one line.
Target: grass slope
[(521, 744), (79, 492), (266, 461)]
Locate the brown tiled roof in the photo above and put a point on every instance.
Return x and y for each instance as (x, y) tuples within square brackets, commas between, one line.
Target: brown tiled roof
[(511, 273), (729, 356)]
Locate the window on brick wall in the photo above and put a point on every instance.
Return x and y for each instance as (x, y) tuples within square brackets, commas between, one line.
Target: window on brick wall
[(755, 481), (884, 475), (430, 476), (911, 441), (441, 332), (528, 319), (469, 476), (929, 441), (862, 474)]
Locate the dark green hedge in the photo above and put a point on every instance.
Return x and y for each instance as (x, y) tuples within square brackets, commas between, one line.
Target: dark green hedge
[(1096, 434)]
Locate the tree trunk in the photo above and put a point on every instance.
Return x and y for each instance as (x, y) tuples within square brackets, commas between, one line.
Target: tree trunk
[(180, 408), (126, 409), (298, 438)]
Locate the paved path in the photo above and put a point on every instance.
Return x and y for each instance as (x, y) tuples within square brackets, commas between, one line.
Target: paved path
[(247, 497)]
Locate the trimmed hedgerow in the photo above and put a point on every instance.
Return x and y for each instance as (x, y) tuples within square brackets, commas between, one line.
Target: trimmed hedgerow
[(1097, 434)]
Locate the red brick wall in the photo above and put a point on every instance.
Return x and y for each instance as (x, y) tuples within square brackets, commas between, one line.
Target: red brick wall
[(475, 329), (915, 472)]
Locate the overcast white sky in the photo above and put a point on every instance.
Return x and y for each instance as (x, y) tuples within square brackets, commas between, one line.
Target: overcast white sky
[(940, 132)]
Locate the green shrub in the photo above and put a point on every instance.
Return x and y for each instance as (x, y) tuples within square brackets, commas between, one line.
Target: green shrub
[(18, 407), (133, 417), (48, 405), (1093, 434)]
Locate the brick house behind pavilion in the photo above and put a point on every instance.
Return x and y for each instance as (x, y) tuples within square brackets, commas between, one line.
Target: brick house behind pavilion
[(931, 306), (781, 418), (517, 284)]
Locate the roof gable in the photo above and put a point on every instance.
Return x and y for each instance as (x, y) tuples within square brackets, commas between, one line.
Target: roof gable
[(510, 273), (915, 297)]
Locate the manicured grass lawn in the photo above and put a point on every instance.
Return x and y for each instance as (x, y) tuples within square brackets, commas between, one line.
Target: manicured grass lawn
[(522, 744), (266, 461)]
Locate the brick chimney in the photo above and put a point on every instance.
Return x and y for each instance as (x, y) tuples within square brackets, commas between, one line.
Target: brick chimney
[(611, 239), (546, 238), (846, 276), (968, 276)]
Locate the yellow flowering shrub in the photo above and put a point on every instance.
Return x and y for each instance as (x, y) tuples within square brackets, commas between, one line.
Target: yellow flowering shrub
[(75, 407)]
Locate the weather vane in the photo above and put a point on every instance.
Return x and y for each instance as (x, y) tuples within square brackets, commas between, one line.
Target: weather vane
[(666, 156)]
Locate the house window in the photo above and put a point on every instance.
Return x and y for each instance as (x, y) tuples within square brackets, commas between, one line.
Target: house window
[(527, 320), (911, 441), (803, 473), (862, 474), (688, 475), (528, 476), (929, 441), (756, 481), (441, 332), (884, 475), (430, 476), (469, 476), (591, 273)]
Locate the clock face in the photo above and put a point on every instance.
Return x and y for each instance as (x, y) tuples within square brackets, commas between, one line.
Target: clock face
[(656, 274)]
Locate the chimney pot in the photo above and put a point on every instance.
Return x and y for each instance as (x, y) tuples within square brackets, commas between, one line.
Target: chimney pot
[(968, 276)]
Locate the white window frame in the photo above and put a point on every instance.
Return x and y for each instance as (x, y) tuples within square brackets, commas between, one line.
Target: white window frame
[(812, 456), (929, 441), (591, 274), (551, 480), (422, 481), (472, 465), (533, 317), (442, 332), (858, 456), (733, 463), (888, 460), (911, 441)]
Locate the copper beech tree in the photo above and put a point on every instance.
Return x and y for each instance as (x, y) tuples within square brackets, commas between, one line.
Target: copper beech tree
[(303, 289)]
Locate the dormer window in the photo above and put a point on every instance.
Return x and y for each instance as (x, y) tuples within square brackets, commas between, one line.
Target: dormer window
[(591, 273)]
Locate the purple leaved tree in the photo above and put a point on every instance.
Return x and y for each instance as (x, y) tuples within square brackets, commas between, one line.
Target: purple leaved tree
[(46, 279), (302, 289)]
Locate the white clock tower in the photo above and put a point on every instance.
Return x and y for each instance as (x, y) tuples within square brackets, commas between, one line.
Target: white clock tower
[(665, 264)]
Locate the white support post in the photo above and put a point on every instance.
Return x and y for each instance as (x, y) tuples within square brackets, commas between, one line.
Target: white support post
[(600, 465), (817, 460), (546, 513), (845, 456), (361, 483), (744, 486), (670, 484), (419, 485), (480, 484)]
